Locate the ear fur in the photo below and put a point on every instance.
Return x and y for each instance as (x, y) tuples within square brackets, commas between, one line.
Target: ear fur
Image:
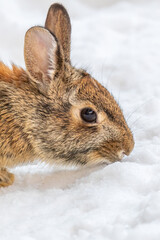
[(42, 55), (58, 22)]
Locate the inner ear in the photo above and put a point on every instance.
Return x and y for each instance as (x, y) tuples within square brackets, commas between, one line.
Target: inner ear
[(42, 55)]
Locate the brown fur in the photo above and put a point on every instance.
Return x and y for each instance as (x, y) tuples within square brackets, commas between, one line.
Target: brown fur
[(40, 108), (15, 75), (58, 22)]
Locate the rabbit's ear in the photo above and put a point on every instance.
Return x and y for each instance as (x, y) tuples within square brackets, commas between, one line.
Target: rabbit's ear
[(43, 57), (58, 23)]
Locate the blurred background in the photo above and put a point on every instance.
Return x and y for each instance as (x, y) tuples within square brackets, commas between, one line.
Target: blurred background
[(118, 42)]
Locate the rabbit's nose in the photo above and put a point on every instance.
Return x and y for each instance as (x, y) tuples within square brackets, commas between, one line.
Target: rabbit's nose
[(128, 145), (127, 148)]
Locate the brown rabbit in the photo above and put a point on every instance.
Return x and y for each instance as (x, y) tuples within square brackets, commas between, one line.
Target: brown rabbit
[(53, 111)]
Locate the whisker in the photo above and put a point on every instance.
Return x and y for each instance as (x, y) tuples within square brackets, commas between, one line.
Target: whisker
[(134, 122), (135, 131), (137, 108)]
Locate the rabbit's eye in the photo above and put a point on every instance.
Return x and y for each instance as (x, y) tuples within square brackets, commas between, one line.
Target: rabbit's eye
[(88, 115)]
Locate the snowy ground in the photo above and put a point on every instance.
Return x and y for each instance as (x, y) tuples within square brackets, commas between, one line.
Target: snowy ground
[(119, 43)]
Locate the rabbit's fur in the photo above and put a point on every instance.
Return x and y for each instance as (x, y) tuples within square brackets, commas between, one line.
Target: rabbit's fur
[(40, 108)]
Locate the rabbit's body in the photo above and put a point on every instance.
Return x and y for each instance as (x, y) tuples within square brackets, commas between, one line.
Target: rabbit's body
[(15, 146), (53, 111)]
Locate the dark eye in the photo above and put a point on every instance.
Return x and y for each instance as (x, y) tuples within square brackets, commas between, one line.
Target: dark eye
[(88, 115)]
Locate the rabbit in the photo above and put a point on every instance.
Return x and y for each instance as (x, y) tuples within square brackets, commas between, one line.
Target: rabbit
[(54, 112)]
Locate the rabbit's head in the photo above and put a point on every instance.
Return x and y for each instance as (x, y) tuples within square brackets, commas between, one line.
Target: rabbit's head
[(77, 120)]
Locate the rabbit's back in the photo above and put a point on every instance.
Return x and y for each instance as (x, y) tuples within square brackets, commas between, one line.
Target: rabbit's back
[(14, 142)]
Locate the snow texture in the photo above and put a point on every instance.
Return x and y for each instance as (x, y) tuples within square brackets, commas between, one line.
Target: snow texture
[(119, 43)]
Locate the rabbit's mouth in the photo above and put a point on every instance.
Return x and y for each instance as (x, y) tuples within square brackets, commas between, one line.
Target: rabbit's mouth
[(121, 154), (100, 157), (108, 161)]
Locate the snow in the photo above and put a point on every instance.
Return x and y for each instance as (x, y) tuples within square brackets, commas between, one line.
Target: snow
[(118, 42)]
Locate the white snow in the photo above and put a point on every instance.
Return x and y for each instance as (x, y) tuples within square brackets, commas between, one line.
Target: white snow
[(118, 42)]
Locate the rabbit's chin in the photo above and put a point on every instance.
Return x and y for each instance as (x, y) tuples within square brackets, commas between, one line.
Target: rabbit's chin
[(99, 161), (106, 161)]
